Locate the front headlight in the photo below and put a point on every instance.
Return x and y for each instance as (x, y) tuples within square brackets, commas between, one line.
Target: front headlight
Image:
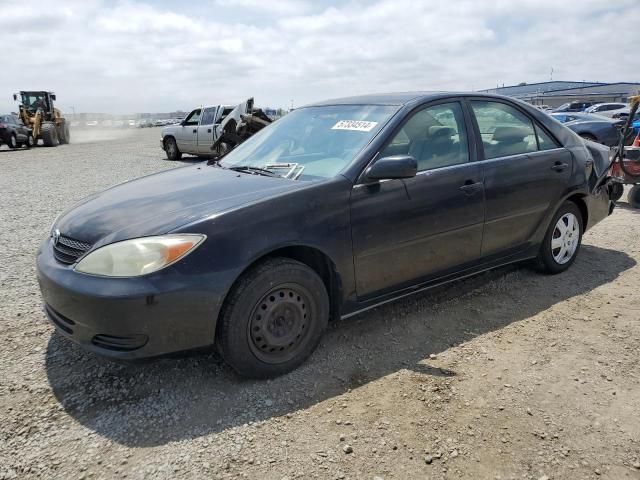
[(140, 256)]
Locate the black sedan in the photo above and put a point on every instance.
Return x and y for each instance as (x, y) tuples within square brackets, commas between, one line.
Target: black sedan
[(14, 133), (592, 127), (336, 208)]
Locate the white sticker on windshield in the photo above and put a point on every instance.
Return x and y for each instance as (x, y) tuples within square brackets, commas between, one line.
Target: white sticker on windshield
[(358, 125)]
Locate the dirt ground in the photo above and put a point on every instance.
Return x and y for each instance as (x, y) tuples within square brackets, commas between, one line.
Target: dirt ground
[(507, 375)]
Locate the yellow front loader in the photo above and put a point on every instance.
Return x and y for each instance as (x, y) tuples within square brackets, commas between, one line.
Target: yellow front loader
[(46, 122)]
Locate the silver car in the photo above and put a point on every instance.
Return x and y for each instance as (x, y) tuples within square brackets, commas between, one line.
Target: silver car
[(195, 135)]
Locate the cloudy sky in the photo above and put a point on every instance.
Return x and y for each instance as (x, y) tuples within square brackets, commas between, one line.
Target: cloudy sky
[(149, 56)]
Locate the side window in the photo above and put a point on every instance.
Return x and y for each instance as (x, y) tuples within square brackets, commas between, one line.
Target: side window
[(208, 116), (193, 118), (435, 137), (545, 142), (504, 129)]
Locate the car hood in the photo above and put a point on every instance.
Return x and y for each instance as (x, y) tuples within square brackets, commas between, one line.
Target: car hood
[(162, 202), (170, 129)]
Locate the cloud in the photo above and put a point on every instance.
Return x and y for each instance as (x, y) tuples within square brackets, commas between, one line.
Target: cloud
[(132, 56), (275, 7)]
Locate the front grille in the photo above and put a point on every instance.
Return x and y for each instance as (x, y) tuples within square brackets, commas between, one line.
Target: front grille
[(67, 250)]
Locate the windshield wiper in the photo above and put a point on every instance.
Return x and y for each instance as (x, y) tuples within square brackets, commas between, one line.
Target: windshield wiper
[(254, 170)]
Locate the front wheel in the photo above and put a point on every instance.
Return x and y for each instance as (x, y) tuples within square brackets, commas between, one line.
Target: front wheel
[(273, 318), (171, 147), (13, 141), (30, 141), (562, 240)]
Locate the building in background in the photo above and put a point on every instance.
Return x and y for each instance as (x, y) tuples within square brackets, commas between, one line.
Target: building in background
[(556, 93)]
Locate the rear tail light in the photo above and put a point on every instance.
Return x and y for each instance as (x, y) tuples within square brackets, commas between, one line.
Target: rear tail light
[(2, 125)]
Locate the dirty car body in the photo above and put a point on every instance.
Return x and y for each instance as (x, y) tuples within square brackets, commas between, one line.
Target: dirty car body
[(466, 189)]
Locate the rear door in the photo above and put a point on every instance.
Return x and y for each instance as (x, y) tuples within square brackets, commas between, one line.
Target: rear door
[(187, 135), (205, 130), (525, 174)]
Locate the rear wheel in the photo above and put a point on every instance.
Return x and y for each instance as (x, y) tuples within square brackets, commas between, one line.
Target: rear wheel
[(273, 318), (49, 134), (617, 189), (171, 148), (63, 133), (634, 196), (562, 241), (13, 141)]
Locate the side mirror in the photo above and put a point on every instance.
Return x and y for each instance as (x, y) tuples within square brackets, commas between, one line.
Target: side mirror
[(394, 167), (15, 97), (53, 97)]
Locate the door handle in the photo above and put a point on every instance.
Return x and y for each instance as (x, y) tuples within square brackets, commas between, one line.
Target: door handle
[(470, 187), (195, 130), (559, 166), (208, 130)]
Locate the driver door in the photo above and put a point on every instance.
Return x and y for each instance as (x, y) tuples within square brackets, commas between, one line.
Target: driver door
[(187, 136), (406, 232)]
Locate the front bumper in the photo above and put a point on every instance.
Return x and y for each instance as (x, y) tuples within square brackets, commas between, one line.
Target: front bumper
[(128, 318)]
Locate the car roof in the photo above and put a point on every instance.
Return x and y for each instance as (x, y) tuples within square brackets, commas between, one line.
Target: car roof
[(399, 98), (215, 106)]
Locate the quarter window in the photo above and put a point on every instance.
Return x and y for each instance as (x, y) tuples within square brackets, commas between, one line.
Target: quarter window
[(545, 142), (435, 137)]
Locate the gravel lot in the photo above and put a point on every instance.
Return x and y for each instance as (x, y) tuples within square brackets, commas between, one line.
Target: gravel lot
[(510, 374)]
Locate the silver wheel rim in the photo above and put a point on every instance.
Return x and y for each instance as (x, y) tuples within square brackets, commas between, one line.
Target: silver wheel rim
[(171, 147), (30, 140), (565, 238), (12, 143)]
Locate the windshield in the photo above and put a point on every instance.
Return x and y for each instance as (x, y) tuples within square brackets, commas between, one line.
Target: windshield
[(311, 143), (33, 100)]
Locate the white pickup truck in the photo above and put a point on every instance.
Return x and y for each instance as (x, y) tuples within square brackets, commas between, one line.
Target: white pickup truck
[(213, 130)]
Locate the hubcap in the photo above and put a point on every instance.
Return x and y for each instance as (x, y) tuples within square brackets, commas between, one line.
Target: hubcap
[(171, 147), (279, 323), (12, 143), (565, 238)]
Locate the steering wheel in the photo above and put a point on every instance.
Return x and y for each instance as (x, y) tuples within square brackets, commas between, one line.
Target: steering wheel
[(292, 141)]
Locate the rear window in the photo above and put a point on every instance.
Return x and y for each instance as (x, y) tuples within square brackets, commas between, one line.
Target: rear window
[(506, 131)]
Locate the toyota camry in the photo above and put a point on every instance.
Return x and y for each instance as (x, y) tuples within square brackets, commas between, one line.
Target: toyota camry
[(337, 207)]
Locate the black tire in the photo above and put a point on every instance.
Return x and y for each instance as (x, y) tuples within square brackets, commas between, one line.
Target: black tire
[(30, 142), (588, 136), (548, 256), (171, 148), (633, 197), (63, 134), (13, 142), (49, 134), (617, 189), (273, 318)]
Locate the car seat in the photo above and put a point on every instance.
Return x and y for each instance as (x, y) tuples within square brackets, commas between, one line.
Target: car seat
[(507, 141), (436, 149)]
